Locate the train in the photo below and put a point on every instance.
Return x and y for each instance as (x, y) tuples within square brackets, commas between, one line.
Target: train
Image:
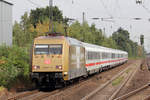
[(60, 59)]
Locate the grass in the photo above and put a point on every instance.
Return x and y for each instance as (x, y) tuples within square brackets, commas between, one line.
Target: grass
[(117, 81), (127, 71), (1, 88), (135, 58)]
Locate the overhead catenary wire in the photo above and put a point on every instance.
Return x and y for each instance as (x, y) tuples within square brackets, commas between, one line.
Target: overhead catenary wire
[(120, 18), (142, 4), (35, 4), (105, 7), (148, 10)]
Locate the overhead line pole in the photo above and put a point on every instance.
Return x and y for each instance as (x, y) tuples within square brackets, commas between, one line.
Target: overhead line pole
[(83, 16)]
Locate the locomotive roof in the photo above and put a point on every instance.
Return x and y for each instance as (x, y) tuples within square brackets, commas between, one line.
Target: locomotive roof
[(50, 37), (73, 41)]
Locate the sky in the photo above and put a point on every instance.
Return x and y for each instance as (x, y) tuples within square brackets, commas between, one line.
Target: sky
[(122, 13)]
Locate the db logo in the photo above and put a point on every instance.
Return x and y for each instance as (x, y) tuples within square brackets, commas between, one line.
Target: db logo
[(47, 61)]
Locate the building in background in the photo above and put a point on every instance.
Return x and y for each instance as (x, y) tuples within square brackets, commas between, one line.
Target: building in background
[(5, 23)]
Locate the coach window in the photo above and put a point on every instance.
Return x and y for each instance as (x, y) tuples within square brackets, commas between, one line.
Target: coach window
[(97, 55), (92, 55), (107, 55), (100, 55), (89, 55), (112, 55), (103, 55), (116, 55), (119, 56)]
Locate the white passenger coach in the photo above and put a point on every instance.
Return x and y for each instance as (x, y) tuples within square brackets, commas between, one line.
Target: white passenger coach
[(100, 58)]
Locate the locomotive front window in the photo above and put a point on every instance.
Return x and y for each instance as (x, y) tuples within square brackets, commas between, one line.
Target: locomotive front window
[(48, 49), (41, 49), (55, 49)]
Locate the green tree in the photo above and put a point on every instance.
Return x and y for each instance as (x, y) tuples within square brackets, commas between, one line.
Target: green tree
[(25, 25), (40, 14), (22, 34), (18, 34), (124, 42), (14, 62)]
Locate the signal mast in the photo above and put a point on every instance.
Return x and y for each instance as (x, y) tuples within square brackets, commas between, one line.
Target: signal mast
[(139, 2)]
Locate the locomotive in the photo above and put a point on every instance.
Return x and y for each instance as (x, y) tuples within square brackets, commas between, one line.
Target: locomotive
[(59, 59)]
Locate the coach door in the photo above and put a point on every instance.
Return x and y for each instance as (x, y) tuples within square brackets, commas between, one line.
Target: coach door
[(76, 61)]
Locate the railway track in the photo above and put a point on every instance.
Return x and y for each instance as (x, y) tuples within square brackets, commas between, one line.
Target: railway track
[(21, 95), (137, 94), (33, 95), (147, 98), (148, 63), (39, 95), (109, 91)]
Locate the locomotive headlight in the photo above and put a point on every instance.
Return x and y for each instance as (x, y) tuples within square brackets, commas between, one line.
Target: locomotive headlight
[(65, 73), (35, 67), (59, 67)]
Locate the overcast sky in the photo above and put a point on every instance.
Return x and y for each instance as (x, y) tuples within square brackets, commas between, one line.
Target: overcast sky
[(122, 12)]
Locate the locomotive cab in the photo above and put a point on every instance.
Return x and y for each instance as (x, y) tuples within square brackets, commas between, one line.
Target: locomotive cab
[(48, 60)]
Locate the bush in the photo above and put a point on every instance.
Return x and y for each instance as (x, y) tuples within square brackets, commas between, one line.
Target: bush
[(14, 61), (1, 88)]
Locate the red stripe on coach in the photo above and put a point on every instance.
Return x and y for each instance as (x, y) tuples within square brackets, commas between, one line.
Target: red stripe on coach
[(103, 62)]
